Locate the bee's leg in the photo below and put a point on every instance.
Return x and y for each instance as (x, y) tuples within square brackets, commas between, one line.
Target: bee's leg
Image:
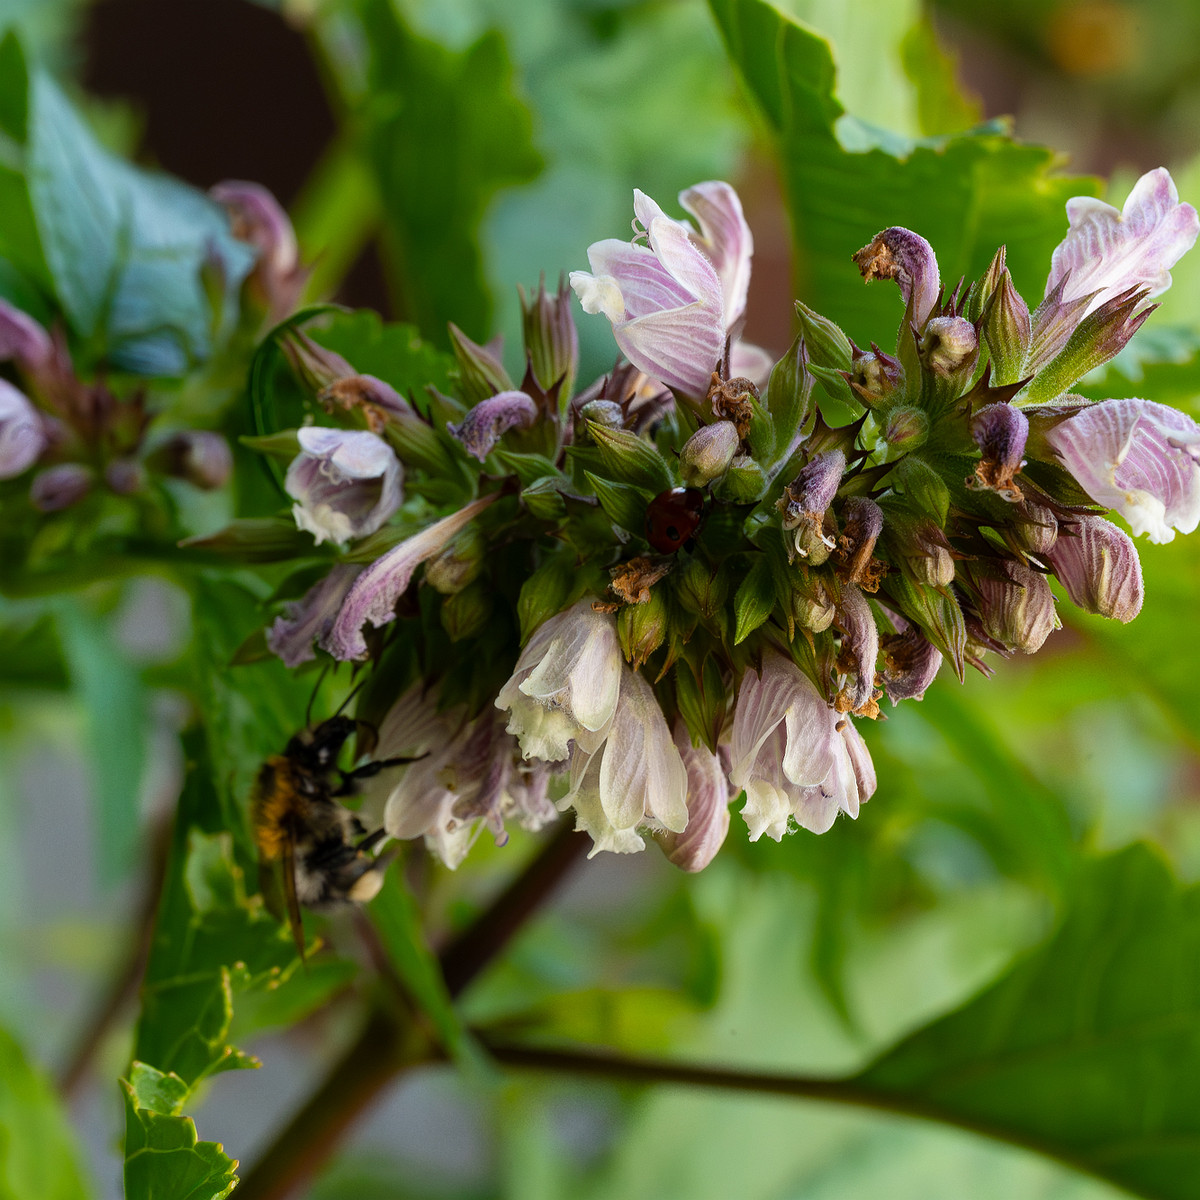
[(371, 840), (367, 770)]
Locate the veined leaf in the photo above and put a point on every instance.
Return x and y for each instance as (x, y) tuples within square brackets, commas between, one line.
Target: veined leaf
[(846, 180)]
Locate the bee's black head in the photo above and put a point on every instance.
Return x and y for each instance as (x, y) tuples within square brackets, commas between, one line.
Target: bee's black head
[(318, 748)]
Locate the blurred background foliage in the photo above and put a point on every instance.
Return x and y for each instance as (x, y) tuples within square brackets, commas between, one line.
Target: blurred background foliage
[(433, 154)]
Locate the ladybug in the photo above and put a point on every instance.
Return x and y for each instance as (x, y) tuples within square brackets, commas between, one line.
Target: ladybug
[(672, 517)]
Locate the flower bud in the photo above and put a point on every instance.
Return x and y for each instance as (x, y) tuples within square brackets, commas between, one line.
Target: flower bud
[(200, 456), (22, 433), (642, 628), (60, 487), (804, 504), (458, 564), (1098, 565), (826, 345), (551, 339), (606, 413), (1007, 330), (910, 662), (875, 376), (125, 476), (465, 613), (1016, 605), (707, 804), (1000, 431), (924, 488), (490, 419), (701, 589), (906, 257), (23, 340), (481, 372), (812, 606), (862, 523), (377, 401), (949, 347), (258, 218), (316, 366), (1036, 529), (906, 428), (744, 481), (708, 453)]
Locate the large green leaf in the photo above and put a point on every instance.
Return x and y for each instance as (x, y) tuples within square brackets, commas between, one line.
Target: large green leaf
[(38, 1156), (443, 132), (1089, 1050), (125, 248), (847, 180), (164, 1160)]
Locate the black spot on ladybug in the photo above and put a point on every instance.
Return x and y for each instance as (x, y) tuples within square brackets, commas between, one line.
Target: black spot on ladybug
[(673, 517)]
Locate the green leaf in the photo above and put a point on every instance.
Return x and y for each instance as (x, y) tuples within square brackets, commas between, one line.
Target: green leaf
[(163, 1157), (942, 107), (398, 924), (628, 458), (1087, 1050), (755, 598), (126, 248), (443, 133), (625, 505), (846, 180), (38, 1155), (14, 88), (210, 940), (113, 698)]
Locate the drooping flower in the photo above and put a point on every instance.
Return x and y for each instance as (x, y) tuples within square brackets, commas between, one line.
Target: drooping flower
[(910, 662), (565, 685), (1106, 252), (1000, 431), (1137, 457), (258, 218), (1016, 604), (468, 777), (707, 805), (372, 598), (790, 753), (898, 253), (310, 618), (483, 426), (674, 301), (346, 484), (1099, 567), (636, 779), (22, 432)]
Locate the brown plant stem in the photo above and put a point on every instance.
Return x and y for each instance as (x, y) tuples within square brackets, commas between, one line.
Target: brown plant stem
[(387, 1046)]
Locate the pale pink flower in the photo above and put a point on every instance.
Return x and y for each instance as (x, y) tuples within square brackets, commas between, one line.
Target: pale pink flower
[(346, 484), (1106, 252), (1098, 565), (708, 796), (1137, 457), (565, 685), (22, 432)]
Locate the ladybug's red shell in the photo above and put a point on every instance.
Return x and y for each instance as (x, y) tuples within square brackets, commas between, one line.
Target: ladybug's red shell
[(672, 517)]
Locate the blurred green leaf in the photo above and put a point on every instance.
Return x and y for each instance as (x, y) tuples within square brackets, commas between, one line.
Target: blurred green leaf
[(38, 1155), (113, 698), (1088, 1050), (126, 248), (443, 132), (942, 107), (847, 180), (163, 1157)]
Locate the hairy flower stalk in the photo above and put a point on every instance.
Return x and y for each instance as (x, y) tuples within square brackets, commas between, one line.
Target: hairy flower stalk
[(640, 613)]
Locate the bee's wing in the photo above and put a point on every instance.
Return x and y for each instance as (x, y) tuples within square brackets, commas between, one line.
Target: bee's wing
[(293, 903)]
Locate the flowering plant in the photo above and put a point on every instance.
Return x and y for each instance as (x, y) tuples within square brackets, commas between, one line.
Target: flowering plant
[(371, 633)]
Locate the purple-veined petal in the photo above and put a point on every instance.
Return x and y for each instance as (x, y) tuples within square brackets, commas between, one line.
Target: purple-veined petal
[(1106, 251), (1137, 457), (727, 240), (310, 618), (1098, 564), (707, 806), (372, 599), (22, 432)]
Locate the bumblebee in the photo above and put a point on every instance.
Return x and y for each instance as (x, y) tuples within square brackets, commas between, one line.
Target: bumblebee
[(300, 825)]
